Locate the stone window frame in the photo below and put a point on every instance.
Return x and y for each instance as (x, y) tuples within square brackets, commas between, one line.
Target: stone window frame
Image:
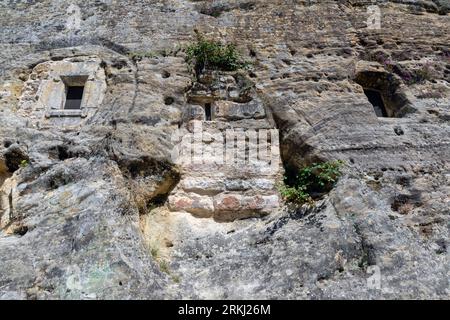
[(71, 80)]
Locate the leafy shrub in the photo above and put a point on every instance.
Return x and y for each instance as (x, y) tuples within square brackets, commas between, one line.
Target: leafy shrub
[(295, 194), (311, 182), (207, 54)]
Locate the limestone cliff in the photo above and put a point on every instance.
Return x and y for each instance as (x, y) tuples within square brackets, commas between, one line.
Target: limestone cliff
[(93, 205)]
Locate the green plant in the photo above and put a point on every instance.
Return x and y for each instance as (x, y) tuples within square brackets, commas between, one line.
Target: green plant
[(319, 176), (24, 163), (294, 194), (164, 266), (154, 252), (310, 182), (208, 54), (176, 279)]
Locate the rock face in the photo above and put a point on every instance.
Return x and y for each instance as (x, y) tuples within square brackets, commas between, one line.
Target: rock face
[(93, 204)]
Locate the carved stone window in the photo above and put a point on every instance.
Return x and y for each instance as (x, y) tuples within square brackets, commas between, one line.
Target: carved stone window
[(63, 92)]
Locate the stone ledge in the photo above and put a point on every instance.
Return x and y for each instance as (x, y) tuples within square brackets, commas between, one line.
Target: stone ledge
[(65, 113)]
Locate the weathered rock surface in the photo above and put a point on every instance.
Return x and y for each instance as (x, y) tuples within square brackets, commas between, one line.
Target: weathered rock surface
[(83, 200)]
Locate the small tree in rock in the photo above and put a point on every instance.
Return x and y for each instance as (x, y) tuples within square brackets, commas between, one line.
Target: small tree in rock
[(213, 55)]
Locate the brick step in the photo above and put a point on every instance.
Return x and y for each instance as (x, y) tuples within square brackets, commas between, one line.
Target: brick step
[(225, 206)]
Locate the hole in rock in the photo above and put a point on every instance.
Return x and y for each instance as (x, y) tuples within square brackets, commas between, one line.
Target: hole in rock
[(168, 101), (377, 102), (310, 179), (158, 200), (119, 64), (399, 131), (405, 204), (383, 91), (59, 179), (63, 154), (168, 243), (404, 181), (165, 74), (15, 157), (442, 246), (21, 230)]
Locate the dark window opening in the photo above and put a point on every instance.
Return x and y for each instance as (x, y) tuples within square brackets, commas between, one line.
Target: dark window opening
[(208, 115), (377, 102), (74, 97), (384, 91)]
